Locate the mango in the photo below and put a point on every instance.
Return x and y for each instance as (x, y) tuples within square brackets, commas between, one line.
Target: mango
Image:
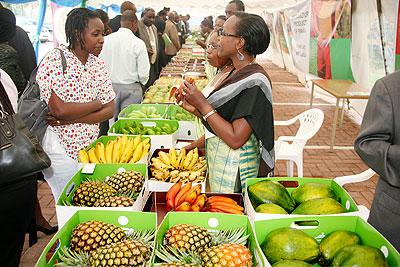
[(319, 206), (334, 241), (359, 256), (270, 208), (310, 191)]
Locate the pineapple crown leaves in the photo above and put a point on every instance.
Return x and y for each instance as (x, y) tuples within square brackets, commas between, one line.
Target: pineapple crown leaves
[(145, 236), (131, 194), (236, 236), (71, 258), (173, 255)]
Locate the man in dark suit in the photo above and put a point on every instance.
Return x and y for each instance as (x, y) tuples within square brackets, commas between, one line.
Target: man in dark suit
[(148, 33), (115, 23), (378, 144)]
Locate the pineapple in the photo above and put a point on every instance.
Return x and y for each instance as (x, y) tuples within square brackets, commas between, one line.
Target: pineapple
[(114, 201), (126, 182), (187, 237), (232, 255), (179, 264), (124, 253), (91, 235), (114, 247), (89, 192)]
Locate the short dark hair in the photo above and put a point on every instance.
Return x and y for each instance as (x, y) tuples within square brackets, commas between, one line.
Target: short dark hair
[(239, 4), (162, 13), (223, 17), (147, 9), (253, 29), (77, 21), (103, 16), (129, 15), (207, 23), (126, 6)]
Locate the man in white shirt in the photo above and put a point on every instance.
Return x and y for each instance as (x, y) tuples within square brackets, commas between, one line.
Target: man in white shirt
[(126, 58)]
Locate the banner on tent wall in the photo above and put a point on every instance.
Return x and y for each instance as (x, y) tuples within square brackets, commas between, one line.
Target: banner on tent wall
[(398, 40), (330, 39), (296, 25), (389, 28)]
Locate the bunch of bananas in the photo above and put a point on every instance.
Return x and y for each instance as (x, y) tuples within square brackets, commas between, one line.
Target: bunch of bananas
[(123, 149), (173, 166)]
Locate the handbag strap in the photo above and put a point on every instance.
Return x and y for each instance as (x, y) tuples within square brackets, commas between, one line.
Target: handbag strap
[(32, 78)]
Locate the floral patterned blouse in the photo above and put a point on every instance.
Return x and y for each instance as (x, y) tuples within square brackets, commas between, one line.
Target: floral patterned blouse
[(80, 83)]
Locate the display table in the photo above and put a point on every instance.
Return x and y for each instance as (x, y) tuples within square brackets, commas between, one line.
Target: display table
[(342, 90)]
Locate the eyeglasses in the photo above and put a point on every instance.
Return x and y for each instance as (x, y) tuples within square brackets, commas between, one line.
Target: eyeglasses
[(221, 32), (212, 46)]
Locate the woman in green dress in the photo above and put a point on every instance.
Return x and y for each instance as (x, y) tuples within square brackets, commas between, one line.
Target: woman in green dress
[(238, 113)]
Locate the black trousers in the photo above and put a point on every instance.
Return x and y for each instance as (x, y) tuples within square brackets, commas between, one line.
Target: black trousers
[(17, 209)]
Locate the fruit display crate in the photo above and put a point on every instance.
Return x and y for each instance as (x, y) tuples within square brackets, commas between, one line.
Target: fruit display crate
[(157, 141), (212, 221), (187, 128), (160, 108), (101, 171), (135, 220), (292, 183), (157, 203), (325, 225), (104, 139), (158, 186)]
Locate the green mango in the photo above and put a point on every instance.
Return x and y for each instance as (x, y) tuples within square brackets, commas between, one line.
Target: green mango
[(270, 208), (359, 256), (291, 263), (271, 192), (319, 206), (310, 191), (290, 244), (334, 241)]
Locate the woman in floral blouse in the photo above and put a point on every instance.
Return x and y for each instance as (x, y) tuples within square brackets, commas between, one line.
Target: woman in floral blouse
[(78, 98)]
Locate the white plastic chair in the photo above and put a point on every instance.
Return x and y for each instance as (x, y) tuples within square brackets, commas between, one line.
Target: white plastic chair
[(290, 148)]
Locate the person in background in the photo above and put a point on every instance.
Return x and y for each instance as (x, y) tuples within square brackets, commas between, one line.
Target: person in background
[(186, 20), (78, 99), (148, 33), (26, 54), (182, 31), (232, 7), (17, 194), (160, 25), (238, 113), (172, 32), (9, 60), (115, 23), (126, 59), (105, 19), (219, 22), (378, 145), (206, 27)]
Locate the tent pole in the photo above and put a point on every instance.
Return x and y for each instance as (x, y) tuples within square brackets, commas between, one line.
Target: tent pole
[(42, 14)]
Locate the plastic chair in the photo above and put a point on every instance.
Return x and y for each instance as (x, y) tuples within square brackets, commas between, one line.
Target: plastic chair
[(290, 148)]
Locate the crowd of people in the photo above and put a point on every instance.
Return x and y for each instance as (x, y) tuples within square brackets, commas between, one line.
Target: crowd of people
[(109, 65)]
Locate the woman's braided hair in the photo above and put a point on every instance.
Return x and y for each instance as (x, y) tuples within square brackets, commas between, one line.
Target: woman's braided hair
[(77, 21)]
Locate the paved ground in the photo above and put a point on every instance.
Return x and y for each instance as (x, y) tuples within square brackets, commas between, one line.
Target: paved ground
[(290, 99)]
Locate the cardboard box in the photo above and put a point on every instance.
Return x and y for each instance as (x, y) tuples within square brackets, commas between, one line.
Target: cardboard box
[(124, 219), (161, 109), (291, 184), (327, 224), (101, 171), (187, 129), (159, 186), (157, 141), (212, 221), (156, 202)]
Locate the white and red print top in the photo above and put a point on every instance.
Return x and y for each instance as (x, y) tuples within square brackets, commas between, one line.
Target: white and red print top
[(80, 84)]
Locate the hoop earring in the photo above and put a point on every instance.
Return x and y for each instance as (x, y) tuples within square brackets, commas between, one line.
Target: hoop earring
[(240, 55)]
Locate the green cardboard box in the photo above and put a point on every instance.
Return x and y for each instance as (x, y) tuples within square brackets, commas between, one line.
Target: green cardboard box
[(124, 219), (101, 171), (209, 220), (187, 128), (161, 109), (157, 141), (327, 224), (292, 183)]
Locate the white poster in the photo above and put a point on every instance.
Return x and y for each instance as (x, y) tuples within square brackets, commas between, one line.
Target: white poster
[(389, 30), (296, 23)]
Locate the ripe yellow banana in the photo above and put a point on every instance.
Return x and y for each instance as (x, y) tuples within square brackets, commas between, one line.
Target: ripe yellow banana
[(164, 157), (194, 159), (136, 141), (100, 154), (198, 165), (116, 150), (145, 150), (124, 141), (187, 160), (181, 158), (137, 153), (92, 156), (83, 156), (109, 150), (172, 157), (128, 151), (146, 141)]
